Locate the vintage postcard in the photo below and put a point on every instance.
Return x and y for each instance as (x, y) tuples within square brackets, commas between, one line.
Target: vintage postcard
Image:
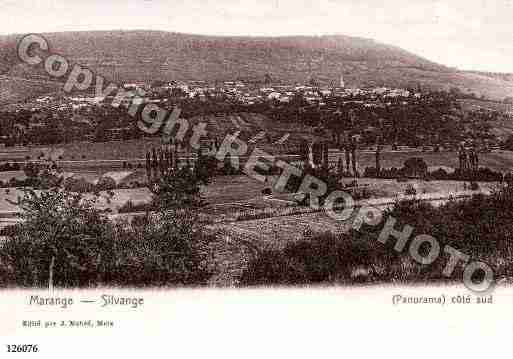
[(269, 178)]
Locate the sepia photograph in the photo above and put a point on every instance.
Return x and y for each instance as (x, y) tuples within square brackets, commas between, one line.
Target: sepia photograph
[(161, 151)]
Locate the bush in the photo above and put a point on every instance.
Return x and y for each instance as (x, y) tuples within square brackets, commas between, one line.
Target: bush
[(440, 174), (483, 174), (165, 249), (267, 191), (474, 186), (106, 184), (323, 259)]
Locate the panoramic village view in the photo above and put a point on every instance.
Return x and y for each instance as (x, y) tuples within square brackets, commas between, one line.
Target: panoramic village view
[(344, 164)]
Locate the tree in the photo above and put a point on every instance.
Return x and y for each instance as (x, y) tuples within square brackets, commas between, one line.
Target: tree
[(62, 239), (181, 187), (43, 175), (175, 229)]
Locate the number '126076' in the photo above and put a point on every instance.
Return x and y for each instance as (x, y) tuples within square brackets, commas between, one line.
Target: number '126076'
[(25, 348)]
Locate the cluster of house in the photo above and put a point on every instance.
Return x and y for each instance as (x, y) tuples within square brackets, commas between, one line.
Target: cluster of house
[(285, 93), (239, 91), (76, 107)]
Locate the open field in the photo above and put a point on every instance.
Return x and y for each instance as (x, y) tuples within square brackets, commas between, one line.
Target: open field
[(115, 150), (235, 190), (235, 194), (248, 239), (275, 232), (109, 156)]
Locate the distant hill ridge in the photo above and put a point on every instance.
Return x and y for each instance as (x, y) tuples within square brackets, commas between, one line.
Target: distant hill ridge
[(126, 56)]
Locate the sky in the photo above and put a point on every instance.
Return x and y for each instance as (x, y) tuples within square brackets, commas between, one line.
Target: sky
[(469, 34)]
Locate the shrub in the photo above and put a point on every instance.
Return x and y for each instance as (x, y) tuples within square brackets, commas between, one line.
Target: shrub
[(474, 186), (165, 249), (325, 258), (179, 188), (439, 174), (267, 191), (483, 174)]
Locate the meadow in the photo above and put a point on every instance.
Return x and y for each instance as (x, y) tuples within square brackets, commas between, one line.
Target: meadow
[(501, 161)]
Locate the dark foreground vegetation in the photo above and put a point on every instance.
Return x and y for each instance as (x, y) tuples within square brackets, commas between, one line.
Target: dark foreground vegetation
[(480, 227), (65, 241), (80, 248)]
